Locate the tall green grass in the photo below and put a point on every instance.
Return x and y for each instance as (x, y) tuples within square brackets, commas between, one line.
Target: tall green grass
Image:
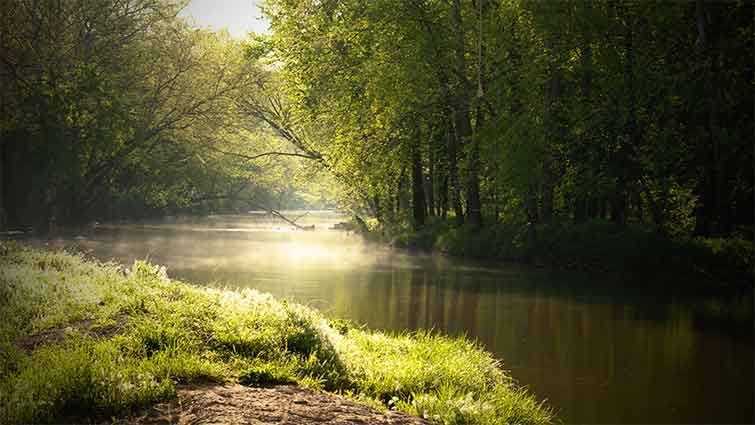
[(169, 332)]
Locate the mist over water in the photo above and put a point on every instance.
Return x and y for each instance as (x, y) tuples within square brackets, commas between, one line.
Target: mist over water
[(596, 352)]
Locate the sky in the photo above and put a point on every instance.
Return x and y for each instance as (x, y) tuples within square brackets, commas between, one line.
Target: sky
[(239, 16)]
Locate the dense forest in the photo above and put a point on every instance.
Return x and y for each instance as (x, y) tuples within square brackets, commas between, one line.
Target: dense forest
[(629, 111), (116, 109), (478, 112)]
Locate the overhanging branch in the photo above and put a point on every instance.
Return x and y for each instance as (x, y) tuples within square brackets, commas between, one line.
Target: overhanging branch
[(264, 154), (255, 204)]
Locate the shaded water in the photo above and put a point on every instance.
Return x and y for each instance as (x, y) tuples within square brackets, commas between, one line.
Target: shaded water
[(596, 352)]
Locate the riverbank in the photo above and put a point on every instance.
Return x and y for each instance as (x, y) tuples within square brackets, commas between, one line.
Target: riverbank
[(84, 337), (590, 246)]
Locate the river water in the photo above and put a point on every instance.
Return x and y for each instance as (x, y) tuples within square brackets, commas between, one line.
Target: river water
[(596, 351)]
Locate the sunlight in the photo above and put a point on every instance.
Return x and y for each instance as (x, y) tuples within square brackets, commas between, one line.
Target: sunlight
[(239, 17), (300, 252)]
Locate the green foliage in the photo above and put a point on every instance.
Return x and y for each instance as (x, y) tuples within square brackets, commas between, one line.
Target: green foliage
[(124, 113), (502, 405), (267, 373), (83, 376), (399, 366), (257, 46), (443, 380), (423, 238), (594, 245), (733, 257), (497, 241), (578, 110), (172, 333)]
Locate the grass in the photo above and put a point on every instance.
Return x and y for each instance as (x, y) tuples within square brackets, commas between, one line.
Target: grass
[(110, 340), (592, 245)]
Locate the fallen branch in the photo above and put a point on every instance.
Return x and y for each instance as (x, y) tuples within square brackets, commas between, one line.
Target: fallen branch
[(254, 204), (297, 218), (264, 154), (289, 221)]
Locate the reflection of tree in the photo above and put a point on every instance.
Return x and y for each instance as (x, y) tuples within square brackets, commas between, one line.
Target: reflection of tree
[(417, 301), (469, 300)]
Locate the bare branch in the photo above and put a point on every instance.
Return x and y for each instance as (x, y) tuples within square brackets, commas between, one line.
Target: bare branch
[(262, 155)]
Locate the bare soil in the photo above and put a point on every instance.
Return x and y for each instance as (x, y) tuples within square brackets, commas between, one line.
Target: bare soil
[(221, 404)]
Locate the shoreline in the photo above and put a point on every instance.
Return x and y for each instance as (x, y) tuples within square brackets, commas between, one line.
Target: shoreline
[(708, 265), (89, 336)]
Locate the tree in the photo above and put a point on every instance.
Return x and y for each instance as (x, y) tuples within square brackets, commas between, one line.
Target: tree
[(583, 110), (109, 104)]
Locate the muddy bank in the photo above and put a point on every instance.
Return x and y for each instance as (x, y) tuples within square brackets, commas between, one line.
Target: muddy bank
[(283, 404)]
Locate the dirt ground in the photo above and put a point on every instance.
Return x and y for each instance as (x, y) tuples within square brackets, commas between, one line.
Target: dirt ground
[(284, 404)]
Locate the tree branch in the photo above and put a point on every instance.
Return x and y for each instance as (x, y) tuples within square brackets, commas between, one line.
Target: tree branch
[(254, 204), (264, 154)]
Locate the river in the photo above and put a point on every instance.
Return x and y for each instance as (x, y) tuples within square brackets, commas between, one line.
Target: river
[(596, 351)]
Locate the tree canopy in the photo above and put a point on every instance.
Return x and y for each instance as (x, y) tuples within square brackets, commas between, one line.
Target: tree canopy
[(480, 111), (632, 111), (114, 108)]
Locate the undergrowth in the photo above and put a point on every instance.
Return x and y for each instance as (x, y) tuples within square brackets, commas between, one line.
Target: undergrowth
[(592, 245), (172, 332)]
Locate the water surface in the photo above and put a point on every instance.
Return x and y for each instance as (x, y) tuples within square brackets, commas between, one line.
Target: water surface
[(598, 352)]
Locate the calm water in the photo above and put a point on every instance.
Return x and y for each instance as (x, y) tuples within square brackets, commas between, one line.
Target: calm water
[(597, 353)]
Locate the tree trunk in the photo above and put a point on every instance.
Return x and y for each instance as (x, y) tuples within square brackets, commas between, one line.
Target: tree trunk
[(418, 192), (516, 108), (581, 208), (431, 184), (376, 209), (463, 123), (3, 180), (474, 204), (4, 118), (718, 215), (552, 130), (402, 198), (443, 197), (629, 138), (454, 176), (444, 172), (657, 207), (530, 207)]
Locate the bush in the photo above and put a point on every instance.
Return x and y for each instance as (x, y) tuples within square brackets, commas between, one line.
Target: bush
[(592, 245)]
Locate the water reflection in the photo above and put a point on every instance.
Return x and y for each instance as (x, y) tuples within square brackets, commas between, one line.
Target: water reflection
[(598, 353)]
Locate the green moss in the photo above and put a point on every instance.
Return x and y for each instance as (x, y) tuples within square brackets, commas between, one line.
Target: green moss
[(168, 333)]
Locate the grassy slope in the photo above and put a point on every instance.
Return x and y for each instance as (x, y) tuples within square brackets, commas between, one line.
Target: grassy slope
[(593, 245), (127, 337)]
